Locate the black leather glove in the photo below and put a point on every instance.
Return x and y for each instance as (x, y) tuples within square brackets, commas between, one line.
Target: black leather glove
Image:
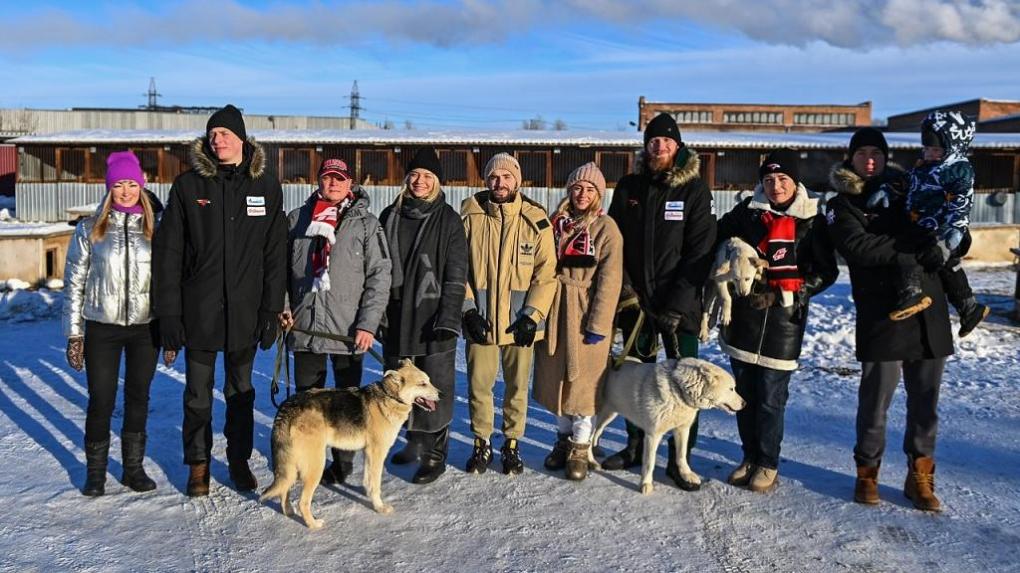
[(523, 330), (269, 326), (931, 258), (668, 321), (476, 327), (762, 300), (76, 352), (171, 333)]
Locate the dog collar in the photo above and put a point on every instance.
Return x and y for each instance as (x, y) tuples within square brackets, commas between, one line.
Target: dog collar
[(391, 396)]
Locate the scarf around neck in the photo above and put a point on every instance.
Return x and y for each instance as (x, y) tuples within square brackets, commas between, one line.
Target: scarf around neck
[(574, 245), (326, 217), (778, 248)]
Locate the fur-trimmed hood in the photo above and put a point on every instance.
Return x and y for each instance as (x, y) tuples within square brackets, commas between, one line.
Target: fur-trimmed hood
[(206, 165), (846, 181), (686, 168), (804, 206)]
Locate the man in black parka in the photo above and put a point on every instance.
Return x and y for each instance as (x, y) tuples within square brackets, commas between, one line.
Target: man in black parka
[(219, 276), (665, 215)]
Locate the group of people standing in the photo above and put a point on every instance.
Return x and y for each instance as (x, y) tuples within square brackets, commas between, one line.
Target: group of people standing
[(222, 269)]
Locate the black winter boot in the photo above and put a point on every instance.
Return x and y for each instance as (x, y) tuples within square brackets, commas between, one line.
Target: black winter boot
[(971, 314), (132, 448), (480, 457), (411, 451), (910, 299), (340, 469), (241, 475), (433, 459), (673, 472), (96, 456), (631, 454), (512, 463), (557, 458)]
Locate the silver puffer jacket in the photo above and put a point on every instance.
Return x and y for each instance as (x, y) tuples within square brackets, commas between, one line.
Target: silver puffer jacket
[(108, 281)]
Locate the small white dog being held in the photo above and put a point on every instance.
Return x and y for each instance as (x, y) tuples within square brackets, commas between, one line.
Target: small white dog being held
[(662, 397), (736, 263)]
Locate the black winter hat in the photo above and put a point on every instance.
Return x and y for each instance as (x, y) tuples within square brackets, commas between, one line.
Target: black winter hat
[(868, 136), (780, 161), (230, 118), (427, 158), (662, 126)]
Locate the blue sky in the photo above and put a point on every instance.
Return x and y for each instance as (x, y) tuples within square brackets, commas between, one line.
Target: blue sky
[(490, 65)]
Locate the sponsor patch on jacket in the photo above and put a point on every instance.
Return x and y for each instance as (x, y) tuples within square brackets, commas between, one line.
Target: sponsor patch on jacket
[(830, 216), (674, 205), (674, 215), (256, 211), (542, 224), (256, 201), (202, 202)]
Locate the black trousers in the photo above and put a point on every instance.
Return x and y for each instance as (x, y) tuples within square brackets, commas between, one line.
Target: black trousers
[(239, 429), (104, 346), (310, 372), (442, 373), (922, 380)]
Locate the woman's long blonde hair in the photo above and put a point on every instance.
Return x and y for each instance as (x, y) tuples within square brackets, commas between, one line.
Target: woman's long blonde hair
[(103, 219)]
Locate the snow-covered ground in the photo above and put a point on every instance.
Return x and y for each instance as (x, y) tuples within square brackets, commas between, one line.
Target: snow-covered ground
[(536, 521)]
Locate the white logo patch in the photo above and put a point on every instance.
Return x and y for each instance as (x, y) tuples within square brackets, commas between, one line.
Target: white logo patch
[(256, 211), (830, 216), (674, 205), (256, 201), (674, 215)]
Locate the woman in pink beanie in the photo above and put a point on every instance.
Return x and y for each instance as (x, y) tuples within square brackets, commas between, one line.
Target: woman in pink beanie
[(107, 315)]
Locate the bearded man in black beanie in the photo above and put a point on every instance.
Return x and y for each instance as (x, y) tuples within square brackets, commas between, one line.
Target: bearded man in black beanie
[(664, 212), (219, 274)]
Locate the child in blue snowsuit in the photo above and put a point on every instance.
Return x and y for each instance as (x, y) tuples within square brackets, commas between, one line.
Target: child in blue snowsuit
[(938, 194)]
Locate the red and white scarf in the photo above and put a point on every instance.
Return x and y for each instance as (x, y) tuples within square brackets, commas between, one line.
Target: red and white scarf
[(778, 248), (574, 245), (326, 218)]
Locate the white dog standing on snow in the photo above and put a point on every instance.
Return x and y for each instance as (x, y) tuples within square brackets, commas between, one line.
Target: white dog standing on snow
[(663, 397), (736, 263)]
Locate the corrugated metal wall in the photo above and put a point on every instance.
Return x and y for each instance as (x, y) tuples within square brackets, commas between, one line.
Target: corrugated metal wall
[(50, 201), (8, 168), (49, 121)]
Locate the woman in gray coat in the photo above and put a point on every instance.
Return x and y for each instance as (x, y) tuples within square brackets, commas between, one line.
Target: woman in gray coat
[(107, 314), (338, 282)]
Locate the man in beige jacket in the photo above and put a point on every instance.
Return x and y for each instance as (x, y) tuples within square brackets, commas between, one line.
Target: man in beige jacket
[(511, 285)]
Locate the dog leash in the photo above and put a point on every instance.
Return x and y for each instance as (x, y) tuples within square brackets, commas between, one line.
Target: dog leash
[(617, 361), (283, 358)]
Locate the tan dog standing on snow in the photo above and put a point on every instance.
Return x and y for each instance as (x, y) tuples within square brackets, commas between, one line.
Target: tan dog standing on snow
[(662, 397), (366, 418)]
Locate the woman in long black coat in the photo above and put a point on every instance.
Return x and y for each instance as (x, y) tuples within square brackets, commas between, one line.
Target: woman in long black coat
[(430, 258)]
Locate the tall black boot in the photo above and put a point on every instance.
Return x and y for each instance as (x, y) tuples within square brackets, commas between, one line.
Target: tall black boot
[(412, 451), (971, 314), (96, 456), (557, 458), (673, 472), (340, 469), (631, 454), (910, 298), (132, 448), (433, 459)]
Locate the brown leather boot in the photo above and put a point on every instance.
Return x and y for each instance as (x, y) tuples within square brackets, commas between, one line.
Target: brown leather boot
[(866, 486), (198, 480), (577, 461), (920, 485)]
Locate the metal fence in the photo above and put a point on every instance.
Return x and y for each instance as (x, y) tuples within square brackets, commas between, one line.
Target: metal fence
[(50, 201)]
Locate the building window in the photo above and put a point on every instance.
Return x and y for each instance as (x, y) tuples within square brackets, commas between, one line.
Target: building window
[(51, 263), (823, 118), (692, 116), (756, 117)]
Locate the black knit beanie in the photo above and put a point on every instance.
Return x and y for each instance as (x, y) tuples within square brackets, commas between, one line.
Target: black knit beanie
[(230, 118), (662, 126), (780, 161), (427, 158), (868, 136)]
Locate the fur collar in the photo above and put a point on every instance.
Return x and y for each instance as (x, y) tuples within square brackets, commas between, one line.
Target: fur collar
[(678, 174), (846, 181), (206, 165), (804, 206)]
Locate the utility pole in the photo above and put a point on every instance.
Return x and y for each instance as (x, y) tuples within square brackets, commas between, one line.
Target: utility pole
[(355, 105), (153, 95)]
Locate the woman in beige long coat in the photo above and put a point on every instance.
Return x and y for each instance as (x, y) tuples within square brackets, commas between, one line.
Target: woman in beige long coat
[(572, 360)]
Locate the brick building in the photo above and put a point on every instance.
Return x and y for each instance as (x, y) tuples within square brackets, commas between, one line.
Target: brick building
[(981, 110), (757, 117)]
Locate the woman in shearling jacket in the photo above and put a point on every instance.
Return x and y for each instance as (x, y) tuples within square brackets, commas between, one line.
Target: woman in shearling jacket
[(107, 314)]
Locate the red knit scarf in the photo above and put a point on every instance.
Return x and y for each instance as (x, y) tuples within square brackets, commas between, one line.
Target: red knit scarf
[(325, 219), (574, 246), (779, 251)]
